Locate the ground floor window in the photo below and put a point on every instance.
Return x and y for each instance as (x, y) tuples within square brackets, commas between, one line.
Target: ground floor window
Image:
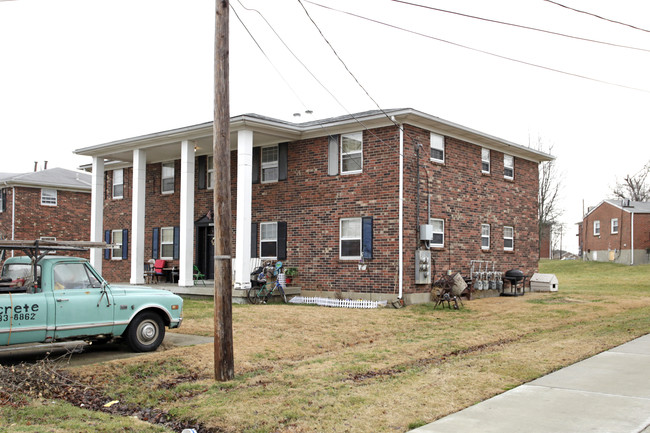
[(438, 225), (167, 243), (485, 236), (508, 238), (118, 244), (269, 240), (350, 239)]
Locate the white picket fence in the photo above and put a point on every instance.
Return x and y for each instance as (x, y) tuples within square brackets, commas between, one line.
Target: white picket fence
[(337, 303)]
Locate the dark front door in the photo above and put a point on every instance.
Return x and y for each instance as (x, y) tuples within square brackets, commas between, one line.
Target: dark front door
[(205, 250)]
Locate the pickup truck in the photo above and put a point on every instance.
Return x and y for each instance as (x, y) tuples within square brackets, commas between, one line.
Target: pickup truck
[(56, 298)]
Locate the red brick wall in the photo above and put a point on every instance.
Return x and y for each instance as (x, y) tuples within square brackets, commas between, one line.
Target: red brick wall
[(69, 220), (312, 203)]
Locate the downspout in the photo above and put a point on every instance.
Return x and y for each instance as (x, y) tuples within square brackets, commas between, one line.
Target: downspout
[(13, 216), (400, 270), (632, 240)]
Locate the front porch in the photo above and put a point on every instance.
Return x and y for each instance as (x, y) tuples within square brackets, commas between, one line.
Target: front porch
[(200, 291)]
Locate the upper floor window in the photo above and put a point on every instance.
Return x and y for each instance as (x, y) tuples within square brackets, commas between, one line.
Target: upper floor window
[(210, 172), (437, 148), (485, 236), (596, 228), (118, 183), (508, 238), (48, 197), (352, 153), (118, 244), (438, 232), (614, 226), (2, 200), (167, 186), (270, 164), (269, 240), (485, 160), (508, 166)]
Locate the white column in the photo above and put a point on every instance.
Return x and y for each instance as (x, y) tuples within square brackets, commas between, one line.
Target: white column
[(137, 216), (244, 208), (186, 256), (97, 212)]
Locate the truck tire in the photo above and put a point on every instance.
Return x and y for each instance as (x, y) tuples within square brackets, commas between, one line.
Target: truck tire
[(145, 332)]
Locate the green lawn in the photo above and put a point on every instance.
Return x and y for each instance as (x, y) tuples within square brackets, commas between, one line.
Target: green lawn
[(315, 369)]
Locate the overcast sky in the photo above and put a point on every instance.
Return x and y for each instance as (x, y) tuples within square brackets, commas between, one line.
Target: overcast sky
[(76, 73)]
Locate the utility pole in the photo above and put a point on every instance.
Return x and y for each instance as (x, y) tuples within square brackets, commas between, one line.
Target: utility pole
[(224, 365)]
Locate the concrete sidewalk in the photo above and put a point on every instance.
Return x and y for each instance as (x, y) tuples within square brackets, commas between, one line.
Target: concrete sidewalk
[(608, 393)]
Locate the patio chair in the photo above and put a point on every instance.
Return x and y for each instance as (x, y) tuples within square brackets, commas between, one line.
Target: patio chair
[(159, 269), (148, 271), (198, 275)]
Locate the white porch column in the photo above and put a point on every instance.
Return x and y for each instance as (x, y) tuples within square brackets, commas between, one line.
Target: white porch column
[(97, 212), (137, 216), (186, 253), (244, 208)]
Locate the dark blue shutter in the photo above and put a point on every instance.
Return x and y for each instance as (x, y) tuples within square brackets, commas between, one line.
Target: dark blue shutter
[(155, 244), (125, 244), (254, 240), (107, 239), (283, 157), (177, 242), (202, 162), (366, 237), (282, 240), (256, 164)]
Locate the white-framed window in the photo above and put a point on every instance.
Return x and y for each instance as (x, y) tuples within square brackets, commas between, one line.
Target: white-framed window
[(2, 203), (167, 176), (210, 172), (508, 238), (350, 239), (509, 166), (352, 153), (485, 160), (269, 240), (614, 226), (438, 225), (269, 164), (118, 244), (48, 238), (485, 236), (437, 148), (596, 228), (118, 183), (167, 243), (48, 197)]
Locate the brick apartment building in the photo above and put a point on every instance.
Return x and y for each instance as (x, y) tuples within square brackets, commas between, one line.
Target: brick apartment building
[(616, 231), (49, 204), (321, 196)]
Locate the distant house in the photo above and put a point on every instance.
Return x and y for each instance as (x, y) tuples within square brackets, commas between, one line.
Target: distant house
[(51, 204), (616, 231), (322, 196)]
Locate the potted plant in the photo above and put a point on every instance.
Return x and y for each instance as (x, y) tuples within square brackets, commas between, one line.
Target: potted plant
[(290, 273)]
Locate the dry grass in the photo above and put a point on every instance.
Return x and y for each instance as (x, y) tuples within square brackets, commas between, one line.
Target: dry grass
[(314, 369)]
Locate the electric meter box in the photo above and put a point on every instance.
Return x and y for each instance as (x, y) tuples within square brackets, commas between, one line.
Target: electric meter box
[(422, 267), (426, 232)]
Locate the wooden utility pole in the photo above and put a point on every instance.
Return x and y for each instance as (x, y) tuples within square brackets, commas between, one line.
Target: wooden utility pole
[(224, 364)]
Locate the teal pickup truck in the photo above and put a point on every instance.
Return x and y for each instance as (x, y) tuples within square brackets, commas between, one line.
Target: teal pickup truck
[(45, 299)]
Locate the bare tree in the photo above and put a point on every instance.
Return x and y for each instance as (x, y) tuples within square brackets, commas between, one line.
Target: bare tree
[(634, 187), (550, 186)]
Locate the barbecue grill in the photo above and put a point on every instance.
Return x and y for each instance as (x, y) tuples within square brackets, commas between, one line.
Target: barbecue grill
[(514, 276)]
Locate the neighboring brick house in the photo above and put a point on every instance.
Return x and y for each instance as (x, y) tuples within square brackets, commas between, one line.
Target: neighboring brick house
[(319, 196), (616, 231), (49, 204)]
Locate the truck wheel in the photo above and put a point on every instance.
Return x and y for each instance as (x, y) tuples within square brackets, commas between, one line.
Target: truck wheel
[(145, 333)]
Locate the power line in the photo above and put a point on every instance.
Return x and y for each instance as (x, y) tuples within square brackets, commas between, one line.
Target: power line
[(597, 16), (521, 26), (559, 71)]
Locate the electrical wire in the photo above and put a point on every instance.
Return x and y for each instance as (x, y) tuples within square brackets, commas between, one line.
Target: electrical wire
[(522, 26), (597, 16), (523, 62)]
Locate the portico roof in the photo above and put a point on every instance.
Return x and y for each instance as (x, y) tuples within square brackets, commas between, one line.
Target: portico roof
[(164, 146)]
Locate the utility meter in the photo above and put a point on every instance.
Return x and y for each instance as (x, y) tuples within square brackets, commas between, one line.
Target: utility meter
[(422, 267)]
